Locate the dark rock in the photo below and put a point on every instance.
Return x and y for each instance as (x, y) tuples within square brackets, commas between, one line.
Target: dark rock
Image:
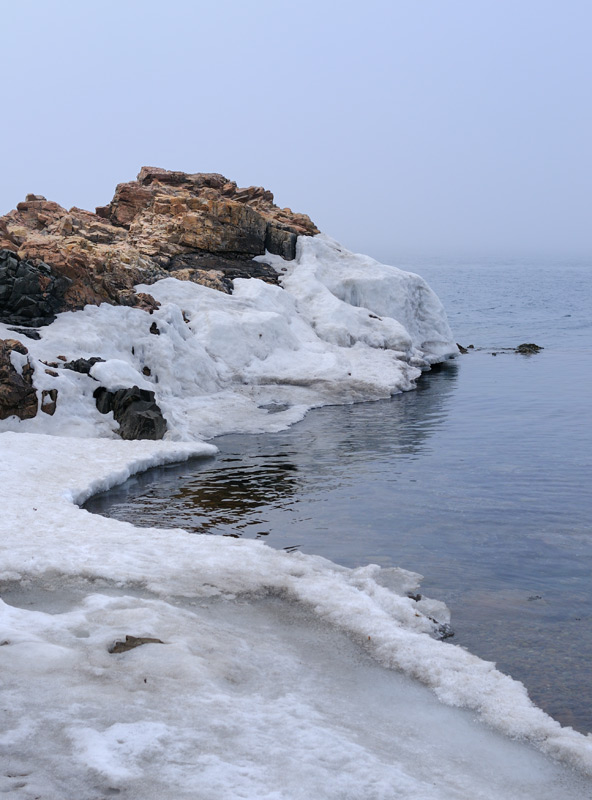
[(198, 264), (49, 399), (528, 349), (82, 365), (445, 632), (135, 410), (17, 394), (131, 642), (412, 596), (30, 333), (30, 295), (154, 329), (280, 242)]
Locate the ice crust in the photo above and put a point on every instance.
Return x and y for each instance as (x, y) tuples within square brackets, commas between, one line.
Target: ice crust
[(281, 675)]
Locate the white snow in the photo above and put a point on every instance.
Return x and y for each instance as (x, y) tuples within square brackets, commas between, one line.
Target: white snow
[(219, 357), (280, 675)]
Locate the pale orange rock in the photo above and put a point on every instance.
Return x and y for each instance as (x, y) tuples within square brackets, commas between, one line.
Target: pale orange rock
[(164, 221)]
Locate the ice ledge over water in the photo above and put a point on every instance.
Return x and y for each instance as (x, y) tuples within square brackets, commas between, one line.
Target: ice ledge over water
[(343, 328)]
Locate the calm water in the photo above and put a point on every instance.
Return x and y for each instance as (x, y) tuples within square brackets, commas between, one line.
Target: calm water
[(479, 480)]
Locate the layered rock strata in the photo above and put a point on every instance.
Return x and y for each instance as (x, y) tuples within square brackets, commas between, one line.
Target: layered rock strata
[(197, 227)]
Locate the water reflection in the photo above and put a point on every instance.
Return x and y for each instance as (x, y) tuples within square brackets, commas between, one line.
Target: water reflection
[(478, 480), (240, 491), (219, 498)]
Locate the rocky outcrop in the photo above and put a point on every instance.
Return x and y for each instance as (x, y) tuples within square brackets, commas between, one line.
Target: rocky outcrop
[(195, 227), (198, 227), (135, 410), (17, 394)]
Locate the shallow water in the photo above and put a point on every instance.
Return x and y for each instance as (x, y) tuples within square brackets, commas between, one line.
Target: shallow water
[(479, 480)]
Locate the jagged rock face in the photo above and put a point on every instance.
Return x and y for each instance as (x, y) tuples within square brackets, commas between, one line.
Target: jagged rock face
[(17, 394), (198, 227), (30, 295)]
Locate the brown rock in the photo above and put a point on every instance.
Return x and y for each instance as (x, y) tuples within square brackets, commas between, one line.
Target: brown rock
[(17, 394), (138, 300), (49, 399), (131, 642), (151, 221)]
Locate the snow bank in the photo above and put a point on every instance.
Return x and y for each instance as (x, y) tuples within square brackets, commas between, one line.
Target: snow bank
[(343, 329), (254, 692)]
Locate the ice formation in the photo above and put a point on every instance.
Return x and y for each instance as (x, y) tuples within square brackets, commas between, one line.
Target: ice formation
[(344, 328), (279, 675)]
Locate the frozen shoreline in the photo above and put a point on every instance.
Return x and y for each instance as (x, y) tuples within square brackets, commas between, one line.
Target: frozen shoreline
[(107, 579), (191, 713)]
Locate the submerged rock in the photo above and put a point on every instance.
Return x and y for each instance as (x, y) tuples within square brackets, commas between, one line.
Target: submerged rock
[(135, 410), (528, 349)]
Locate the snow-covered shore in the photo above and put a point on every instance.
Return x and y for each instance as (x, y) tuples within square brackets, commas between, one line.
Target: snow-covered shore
[(343, 329), (280, 675)]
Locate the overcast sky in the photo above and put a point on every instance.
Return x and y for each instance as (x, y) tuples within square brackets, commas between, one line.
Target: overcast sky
[(430, 127)]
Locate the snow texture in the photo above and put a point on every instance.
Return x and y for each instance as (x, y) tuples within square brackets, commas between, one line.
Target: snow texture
[(280, 675), (343, 329)]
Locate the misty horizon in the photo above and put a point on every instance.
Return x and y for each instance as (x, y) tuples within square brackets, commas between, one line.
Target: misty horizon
[(402, 131)]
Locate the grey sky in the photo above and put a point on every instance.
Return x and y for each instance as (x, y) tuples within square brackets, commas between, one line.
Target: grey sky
[(402, 127)]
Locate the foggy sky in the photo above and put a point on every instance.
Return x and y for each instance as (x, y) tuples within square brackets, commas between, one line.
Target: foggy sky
[(430, 127)]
